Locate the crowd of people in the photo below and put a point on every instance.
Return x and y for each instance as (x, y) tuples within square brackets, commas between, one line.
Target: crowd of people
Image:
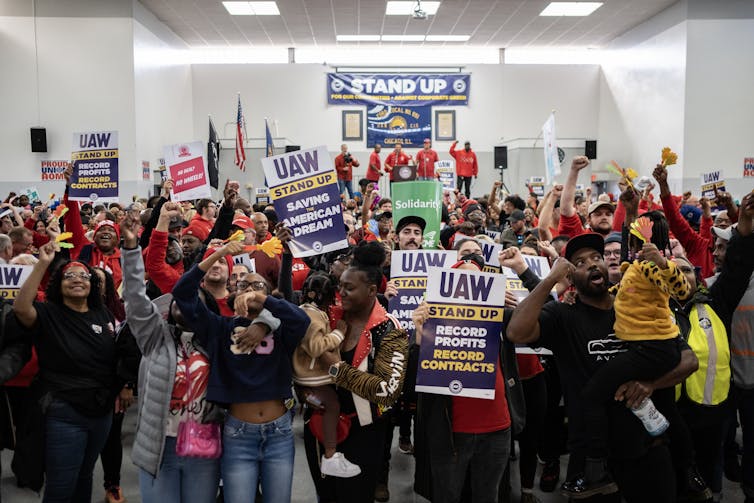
[(648, 312)]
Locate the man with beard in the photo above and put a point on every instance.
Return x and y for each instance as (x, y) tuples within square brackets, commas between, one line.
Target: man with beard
[(514, 235), (410, 232), (582, 339), (612, 257), (599, 214)]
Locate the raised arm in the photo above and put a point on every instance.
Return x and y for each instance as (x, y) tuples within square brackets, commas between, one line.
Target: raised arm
[(160, 272), (545, 212), (146, 232), (23, 306), (142, 316), (567, 200)]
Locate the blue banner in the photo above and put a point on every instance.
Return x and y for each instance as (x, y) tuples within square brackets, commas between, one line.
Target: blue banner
[(461, 339), (388, 125), (303, 186), (398, 89)]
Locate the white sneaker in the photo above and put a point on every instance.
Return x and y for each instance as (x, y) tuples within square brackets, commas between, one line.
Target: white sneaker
[(338, 466)]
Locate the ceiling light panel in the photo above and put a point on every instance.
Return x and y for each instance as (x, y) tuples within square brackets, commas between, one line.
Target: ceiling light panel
[(403, 38), (447, 38), (570, 8), (252, 8), (396, 8), (358, 38)]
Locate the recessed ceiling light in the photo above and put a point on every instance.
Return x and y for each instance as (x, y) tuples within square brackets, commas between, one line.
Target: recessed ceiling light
[(358, 38), (448, 38), (252, 8), (403, 38), (396, 8), (570, 8)]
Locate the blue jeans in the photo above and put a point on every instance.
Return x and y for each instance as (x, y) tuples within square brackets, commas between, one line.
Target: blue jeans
[(346, 185), (189, 480), (484, 456), (258, 451), (72, 445)]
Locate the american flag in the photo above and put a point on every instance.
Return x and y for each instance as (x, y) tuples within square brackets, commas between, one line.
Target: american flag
[(240, 153)]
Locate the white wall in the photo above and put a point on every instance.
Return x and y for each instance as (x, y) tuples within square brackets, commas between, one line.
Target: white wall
[(719, 131), (163, 100), (507, 102), (642, 102), (84, 68)]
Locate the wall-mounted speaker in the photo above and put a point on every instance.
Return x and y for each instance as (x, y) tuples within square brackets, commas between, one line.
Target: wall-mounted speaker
[(38, 139), (292, 148), (501, 157), (590, 149)]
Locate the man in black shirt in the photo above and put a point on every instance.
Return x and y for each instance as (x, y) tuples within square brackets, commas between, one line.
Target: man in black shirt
[(581, 337)]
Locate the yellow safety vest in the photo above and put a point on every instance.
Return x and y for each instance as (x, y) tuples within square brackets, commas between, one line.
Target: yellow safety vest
[(710, 384)]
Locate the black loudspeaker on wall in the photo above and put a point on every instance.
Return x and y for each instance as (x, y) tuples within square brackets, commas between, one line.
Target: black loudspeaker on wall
[(38, 139), (292, 148), (501, 157), (590, 149)]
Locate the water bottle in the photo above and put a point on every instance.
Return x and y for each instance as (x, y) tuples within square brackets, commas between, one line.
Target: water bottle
[(653, 420)]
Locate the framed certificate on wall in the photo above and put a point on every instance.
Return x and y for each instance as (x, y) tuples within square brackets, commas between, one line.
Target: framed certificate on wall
[(353, 125), (445, 125)]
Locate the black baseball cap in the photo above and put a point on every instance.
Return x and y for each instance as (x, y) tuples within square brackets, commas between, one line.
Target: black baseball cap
[(587, 240), (411, 219), (382, 214)]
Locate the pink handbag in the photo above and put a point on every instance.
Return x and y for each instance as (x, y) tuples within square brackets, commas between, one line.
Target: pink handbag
[(195, 439), (198, 440)]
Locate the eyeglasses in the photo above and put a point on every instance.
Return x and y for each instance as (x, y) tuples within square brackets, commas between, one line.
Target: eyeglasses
[(257, 286), (80, 275), (612, 253), (343, 258)]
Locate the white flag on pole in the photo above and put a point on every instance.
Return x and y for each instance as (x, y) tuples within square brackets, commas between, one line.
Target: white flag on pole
[(552, 162)]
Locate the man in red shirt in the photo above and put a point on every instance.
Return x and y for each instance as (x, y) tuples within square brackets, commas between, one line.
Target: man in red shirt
[(425, 161), (466, 165), (373, 170), (396, 158), (344, 164)]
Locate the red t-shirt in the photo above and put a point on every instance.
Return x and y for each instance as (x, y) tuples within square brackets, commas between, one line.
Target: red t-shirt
[(528, 366), (479, 415), (374, 160)]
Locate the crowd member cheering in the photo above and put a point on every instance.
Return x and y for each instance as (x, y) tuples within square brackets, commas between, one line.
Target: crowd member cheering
[(580, 335), (166, 396), (705, 320), (466, 166), (74, 335), (368, 373), (255, 381)]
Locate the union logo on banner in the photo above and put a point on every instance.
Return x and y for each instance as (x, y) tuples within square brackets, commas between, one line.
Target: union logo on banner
[(184, 151), (748, 167)]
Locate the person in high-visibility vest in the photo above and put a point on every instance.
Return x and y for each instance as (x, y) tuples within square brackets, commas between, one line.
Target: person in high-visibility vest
[(705, 322)]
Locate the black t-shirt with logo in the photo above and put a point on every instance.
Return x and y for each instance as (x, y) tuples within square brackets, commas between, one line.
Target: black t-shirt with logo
[(77, 356), (582, 339)]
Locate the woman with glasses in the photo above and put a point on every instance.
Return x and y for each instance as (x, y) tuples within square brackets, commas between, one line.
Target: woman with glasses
[(74, 334), (255, 379)]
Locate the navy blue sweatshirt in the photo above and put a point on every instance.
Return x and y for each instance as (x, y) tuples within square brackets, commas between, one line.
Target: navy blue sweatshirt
[(266, 374)]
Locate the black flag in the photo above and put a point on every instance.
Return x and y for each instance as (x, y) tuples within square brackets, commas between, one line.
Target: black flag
[(213, 156)]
